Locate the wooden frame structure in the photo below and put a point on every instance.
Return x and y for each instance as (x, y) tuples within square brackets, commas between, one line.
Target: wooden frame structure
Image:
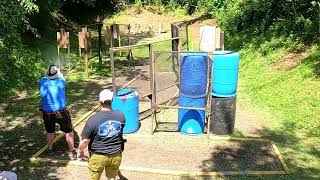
[(84, 38), (155, 106), (117, 49), (63, 42)]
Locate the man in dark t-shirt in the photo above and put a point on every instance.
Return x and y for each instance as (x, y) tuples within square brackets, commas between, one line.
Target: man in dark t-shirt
[(103, 136)]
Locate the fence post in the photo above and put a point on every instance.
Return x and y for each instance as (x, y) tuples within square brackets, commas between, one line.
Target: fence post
[(86, 47), (179, 40), (113, 76), (187, 34), (150, 63), (152, 87), (100, 43)]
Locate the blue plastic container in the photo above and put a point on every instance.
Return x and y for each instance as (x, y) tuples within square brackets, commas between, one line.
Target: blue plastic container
[(127, 101), (225, 73), (193, 78), (191, 121)]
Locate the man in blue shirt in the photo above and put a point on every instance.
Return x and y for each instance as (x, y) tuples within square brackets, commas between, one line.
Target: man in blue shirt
[(53, 107)]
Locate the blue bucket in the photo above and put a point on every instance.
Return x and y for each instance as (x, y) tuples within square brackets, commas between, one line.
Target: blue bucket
[(191, 121), (127, 101), (193, 78), (225, 73)]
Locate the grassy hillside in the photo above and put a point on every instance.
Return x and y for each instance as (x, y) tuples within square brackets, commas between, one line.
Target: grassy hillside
[(280, 86), (286, 83)]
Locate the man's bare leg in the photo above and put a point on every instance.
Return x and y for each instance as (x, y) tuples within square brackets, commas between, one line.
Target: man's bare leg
[(70, 140), (50, 138)]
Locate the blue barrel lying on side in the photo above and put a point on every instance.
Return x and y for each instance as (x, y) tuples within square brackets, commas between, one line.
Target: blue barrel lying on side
[(127, 101), (191, 121), (225, 73)]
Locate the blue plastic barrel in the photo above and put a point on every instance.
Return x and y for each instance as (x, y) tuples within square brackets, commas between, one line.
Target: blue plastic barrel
[(193, 74), (127, 101), (191, 121), (225, 73)]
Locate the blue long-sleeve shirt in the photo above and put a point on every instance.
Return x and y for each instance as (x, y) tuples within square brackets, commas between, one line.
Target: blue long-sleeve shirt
[(52, 92)]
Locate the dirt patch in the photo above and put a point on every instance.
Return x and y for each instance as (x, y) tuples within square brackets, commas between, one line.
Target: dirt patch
[(177, 152), (290, 61)]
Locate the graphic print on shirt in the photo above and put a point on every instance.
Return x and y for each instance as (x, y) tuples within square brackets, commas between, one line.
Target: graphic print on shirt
[(109, 128)]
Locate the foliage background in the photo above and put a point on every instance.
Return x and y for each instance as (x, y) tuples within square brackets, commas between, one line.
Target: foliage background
[(257, 28)]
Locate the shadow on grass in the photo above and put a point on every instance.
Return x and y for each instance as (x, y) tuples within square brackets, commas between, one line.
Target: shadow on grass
[(301, 158), (313, 62)]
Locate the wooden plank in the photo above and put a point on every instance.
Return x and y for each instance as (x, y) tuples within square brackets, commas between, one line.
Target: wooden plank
[(131, 81), (180, 107), (141, 45), (62, 38), (166, 171), (283, 163), (229, 138), (209, 97), (222, 40), (154, 95)]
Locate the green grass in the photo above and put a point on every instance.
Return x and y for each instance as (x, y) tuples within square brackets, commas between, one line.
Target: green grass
[(291, 99), (293, 93)]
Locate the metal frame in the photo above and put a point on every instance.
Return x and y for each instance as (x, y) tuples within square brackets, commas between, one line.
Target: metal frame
[(115, 49), (156, 106)]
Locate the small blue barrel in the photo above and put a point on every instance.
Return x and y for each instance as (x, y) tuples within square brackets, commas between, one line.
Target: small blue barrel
[(225, 73), (193, 75), (127, 101), (191, 121)]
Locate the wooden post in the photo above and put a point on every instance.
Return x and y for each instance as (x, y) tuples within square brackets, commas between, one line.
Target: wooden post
[(173, 35), (69, 58), (209, 93), (129, 34), (119, 40), (222, 40), (113, 76), (79, 52), (179, 41), (111, 38), (58, 55), (86, 48), (218, 38), (150, 64), (62, 31), (154, 95), (100, 45), (187, 34), (152, 87)]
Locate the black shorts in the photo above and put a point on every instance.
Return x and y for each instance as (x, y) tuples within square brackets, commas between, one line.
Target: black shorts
[(62, 118)]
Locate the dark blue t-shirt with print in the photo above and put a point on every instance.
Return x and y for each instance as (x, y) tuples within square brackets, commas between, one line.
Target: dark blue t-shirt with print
[(104, 129)]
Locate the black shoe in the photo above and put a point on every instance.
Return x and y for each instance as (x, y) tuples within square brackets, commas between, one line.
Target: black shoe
[(49, 152)]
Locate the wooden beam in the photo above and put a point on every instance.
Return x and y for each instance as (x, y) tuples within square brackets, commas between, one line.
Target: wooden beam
[(180, 107), (283, 163), (167, 171), (132, 80), (140, 45)]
